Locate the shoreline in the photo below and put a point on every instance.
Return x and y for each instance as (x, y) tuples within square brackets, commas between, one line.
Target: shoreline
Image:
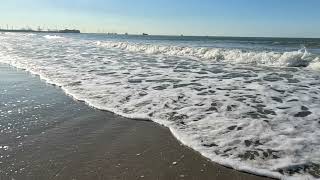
[(177, 158)]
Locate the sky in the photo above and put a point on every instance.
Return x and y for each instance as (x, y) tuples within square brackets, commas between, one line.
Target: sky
[(267, 18)]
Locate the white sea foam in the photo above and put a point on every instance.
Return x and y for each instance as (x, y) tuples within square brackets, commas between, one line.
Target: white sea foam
[(315, 65), (31, 34), (252, 118)]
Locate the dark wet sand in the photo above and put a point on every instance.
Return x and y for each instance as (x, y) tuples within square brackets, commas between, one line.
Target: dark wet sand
[(52, 136)]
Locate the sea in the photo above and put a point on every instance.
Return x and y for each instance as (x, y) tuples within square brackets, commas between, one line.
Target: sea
[(251, 104)]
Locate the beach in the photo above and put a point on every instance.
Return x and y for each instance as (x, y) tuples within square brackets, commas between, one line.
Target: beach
[(156, 89), (46, 134), (250, 104)]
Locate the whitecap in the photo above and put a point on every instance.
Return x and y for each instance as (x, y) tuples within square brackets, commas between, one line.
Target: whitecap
[(300, 58)]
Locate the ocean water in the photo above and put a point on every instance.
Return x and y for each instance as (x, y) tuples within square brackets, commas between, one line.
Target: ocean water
[(248, 103)]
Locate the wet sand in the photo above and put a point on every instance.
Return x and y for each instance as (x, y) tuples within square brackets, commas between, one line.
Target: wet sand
[(46, 134)]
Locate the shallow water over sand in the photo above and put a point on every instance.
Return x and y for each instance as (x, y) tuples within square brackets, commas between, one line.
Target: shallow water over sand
[(49, 135)]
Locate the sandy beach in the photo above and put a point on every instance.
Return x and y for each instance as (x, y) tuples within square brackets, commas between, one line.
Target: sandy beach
[(46, 134)]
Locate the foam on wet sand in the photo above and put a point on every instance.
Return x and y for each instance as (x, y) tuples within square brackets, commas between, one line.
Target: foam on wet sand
[(61, 138)]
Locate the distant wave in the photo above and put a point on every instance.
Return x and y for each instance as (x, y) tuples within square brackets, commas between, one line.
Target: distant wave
[(53, 37), (300, 58), (8, 34)]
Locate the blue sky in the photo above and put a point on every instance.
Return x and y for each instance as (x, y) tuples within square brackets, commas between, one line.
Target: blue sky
[(285, 18)]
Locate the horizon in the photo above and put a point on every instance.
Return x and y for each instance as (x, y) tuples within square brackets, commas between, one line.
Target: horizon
[(243, 18), (168, 35)]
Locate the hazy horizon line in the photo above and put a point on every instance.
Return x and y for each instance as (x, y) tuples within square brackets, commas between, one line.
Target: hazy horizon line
[(150, 34)]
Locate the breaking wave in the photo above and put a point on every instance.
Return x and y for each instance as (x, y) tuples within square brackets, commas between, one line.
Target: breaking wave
[(300, 58)]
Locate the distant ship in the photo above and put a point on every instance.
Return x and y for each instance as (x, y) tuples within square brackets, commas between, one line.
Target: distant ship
[(144, 34)]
